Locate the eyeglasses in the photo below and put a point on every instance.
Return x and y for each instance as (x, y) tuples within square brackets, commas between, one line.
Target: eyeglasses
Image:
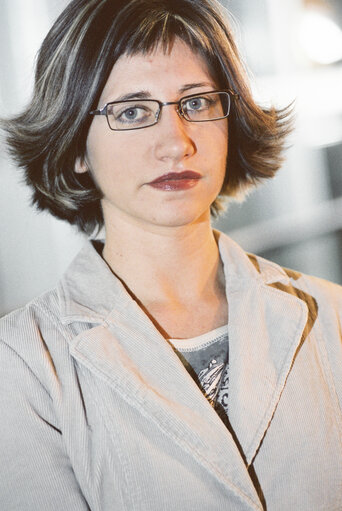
[(135, 114)]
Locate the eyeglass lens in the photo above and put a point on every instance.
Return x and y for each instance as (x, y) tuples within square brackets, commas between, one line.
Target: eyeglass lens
[(139, 113)]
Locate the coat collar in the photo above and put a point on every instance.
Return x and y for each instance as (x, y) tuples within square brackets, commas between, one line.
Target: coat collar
[(266, 322), (88, 290)]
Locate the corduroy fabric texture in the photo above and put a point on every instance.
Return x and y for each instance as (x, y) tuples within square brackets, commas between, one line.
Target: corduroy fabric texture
[(98, 412)]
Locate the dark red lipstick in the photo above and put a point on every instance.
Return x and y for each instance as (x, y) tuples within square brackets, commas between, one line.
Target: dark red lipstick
[(174, 181)]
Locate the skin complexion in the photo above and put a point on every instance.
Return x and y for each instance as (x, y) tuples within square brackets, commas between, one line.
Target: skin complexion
[(158, 185), (125, 163)]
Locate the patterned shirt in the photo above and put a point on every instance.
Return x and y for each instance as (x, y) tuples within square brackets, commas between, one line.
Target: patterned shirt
[(206, 359)]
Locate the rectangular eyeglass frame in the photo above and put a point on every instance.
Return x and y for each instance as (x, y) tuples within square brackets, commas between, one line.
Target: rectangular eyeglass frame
[(103, 111)]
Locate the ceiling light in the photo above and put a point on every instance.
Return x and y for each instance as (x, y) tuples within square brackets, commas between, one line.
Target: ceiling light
[(321, 38)]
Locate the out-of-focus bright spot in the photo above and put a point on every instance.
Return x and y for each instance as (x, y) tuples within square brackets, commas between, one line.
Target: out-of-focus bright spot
[(321, 38)]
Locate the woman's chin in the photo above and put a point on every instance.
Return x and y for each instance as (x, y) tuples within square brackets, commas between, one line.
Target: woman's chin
[(180, 218), (148, 215)]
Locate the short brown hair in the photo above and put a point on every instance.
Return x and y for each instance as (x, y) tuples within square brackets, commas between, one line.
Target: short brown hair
[(73, 65)]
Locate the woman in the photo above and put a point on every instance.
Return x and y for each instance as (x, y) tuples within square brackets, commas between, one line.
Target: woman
[(116, 389)]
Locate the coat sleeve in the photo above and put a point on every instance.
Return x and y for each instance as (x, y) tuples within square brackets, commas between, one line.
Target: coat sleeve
[(35, 471)]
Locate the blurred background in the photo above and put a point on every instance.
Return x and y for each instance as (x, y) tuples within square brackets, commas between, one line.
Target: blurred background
[(293, 51)]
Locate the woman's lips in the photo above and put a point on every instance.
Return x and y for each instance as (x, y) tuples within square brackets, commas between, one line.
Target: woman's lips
[(174, 181)]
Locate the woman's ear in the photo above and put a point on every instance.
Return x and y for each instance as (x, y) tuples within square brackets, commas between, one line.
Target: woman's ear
[(81, 165)]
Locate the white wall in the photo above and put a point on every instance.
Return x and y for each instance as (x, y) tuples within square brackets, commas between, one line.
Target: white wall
[(34, 248)]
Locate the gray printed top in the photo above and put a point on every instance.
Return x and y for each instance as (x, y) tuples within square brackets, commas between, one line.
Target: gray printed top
[(206, 359)]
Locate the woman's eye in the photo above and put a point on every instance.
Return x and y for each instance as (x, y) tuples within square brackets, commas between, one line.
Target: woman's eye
[(132, 114), (136, 114), (194, 104)]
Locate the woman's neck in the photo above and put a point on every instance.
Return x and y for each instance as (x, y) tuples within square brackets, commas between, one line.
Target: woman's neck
[(175, 275), (169, 265)]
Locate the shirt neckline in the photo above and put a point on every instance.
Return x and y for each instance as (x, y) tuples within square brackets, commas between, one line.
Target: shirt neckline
[(202, 339)]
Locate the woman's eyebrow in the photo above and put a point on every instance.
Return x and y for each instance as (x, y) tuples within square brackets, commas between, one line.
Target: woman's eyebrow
[(143, 94), (189, 86), (134, 95)]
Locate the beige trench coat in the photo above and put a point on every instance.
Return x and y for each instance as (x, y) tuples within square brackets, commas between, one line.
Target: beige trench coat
[(97, 411)]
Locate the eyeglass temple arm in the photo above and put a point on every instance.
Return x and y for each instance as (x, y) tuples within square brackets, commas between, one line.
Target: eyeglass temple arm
[(235, 95), (99, 112)]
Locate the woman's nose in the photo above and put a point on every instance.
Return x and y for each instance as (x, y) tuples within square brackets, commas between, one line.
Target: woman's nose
[(172, 136)]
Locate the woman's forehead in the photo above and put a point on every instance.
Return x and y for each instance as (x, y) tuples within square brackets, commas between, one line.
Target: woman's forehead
[(173, 69)]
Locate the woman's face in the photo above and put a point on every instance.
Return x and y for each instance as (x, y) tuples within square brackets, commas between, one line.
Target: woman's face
[(126, 163)]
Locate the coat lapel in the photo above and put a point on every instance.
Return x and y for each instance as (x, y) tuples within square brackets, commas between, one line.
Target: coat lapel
[(266, 324), (128, 353), (264, 336)]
